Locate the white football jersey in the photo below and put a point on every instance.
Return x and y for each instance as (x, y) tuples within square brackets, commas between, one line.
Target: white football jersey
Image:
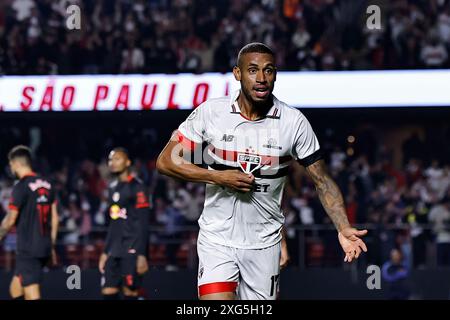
[(263, 147)]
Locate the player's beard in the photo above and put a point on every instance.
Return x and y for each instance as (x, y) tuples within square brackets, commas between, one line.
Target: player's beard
[(259, 104)]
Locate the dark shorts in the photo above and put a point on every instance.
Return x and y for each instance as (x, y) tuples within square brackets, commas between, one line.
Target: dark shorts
[(30, 269), (121, 272)]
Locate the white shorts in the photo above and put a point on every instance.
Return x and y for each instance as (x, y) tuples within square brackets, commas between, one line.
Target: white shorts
[(252, 274)]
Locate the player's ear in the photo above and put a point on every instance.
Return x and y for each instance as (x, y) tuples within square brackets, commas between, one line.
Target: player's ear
[(237, 73), (275, 75), (128, 162)]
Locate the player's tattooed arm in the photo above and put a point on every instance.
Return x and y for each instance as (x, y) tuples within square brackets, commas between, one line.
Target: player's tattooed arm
[(8, 222), (329, 194), (333, 202)]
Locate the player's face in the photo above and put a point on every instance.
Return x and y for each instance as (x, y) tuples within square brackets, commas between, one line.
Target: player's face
[(257, 74), (118, 162)]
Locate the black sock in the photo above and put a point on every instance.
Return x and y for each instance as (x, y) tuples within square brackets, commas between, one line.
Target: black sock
[(19, 298), (130, 297), (114, 296)]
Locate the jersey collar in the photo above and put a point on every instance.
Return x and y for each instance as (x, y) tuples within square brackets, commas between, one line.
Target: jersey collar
[(31, 174)]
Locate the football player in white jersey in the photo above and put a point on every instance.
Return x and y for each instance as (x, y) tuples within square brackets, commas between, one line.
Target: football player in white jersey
[(251, 139)]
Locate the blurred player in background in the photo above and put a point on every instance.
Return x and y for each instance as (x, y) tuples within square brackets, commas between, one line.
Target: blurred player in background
[(34, 212), (125, 258), (252, 138)]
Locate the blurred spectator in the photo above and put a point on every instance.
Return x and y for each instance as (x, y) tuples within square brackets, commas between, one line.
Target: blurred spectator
[(172, 220), (440, 217), (434, 54), (396, 272)]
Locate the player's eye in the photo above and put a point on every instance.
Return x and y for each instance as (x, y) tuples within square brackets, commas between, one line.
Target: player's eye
[(268, 71), (252, 70)]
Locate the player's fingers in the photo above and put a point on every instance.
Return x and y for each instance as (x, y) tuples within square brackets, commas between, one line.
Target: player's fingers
[(353, 237), (242, 186), (249, 178), (243, 189), (362, 245), (361, 232), (358, 252), (244, 180), (351, 255)]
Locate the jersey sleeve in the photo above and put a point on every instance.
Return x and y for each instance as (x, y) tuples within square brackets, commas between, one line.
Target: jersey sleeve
[(17, 197), (192, 131), (142, 206), (306, 148)]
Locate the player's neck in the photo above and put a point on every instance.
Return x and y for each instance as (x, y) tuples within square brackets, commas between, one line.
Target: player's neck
[(250, 110), (124, 176), (25, 172)]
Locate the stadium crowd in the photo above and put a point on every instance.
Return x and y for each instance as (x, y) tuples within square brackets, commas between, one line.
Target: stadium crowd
[(170, 36)]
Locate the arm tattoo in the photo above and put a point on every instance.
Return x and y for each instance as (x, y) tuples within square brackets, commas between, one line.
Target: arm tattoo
[(329, 194)]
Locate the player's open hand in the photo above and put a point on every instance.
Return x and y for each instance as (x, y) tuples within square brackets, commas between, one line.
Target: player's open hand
[(235, 179), (141, 265), (351, 243), (102, 262)]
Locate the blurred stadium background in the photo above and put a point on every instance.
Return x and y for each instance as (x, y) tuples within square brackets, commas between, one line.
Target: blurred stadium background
[(390, 158)]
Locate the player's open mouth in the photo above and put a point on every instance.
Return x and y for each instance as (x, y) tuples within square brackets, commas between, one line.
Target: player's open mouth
[(261, 92)]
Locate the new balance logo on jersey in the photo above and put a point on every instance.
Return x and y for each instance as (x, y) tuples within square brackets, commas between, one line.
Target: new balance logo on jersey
[(227, 138)]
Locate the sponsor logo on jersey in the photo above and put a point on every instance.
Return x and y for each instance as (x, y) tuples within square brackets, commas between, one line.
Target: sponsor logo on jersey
[(261, 187), (272, 144), (38, 184), (116, 212)]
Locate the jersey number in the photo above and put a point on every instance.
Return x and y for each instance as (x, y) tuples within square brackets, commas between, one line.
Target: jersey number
[(274, 282), (44, 211)]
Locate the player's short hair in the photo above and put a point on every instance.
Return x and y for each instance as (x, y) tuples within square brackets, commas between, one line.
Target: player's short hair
[(122, 150), (254, 47), (22, 153)]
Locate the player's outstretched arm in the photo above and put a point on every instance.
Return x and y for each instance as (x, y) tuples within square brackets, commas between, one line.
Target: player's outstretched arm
[(171, 162), (331, 198), (8, 222)]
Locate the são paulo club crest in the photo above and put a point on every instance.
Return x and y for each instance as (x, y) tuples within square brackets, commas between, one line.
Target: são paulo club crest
[(249, 162)]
